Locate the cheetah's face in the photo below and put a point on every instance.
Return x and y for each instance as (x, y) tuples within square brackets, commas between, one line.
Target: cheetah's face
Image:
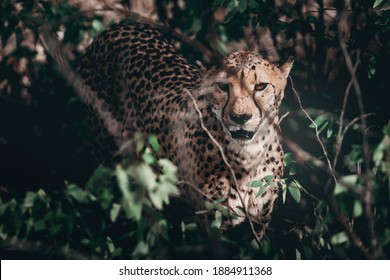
[(247, 93)]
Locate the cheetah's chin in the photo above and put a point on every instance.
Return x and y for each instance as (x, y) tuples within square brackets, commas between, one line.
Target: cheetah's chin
[(242, 134)]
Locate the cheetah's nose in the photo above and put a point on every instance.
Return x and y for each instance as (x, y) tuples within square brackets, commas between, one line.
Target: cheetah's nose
[(240, 118)]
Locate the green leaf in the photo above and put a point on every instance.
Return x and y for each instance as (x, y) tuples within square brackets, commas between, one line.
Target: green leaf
[(218, 3), (271, 183), (371, 67), (97, 25), (154, 143), (386, 130), (380, 152), (221, 47), (295, 192), (189, 227), (254, 6), (261, 191), (209, 205), (201, 212), (298, 255), (327, 219), (284, 193), (141, 249), (321, 205), (110, 244), (99, 178), (29, 199), (350, 179), (144, 175), (356, 154), (54, 229), (148, 157), (159, 229), (196, 26), (163, 227), (329, 132), (85, 241), (323, 126), (339, 238), (256, 183), (166, 185), (114, 212), (282, 183), (288, 159), (41, 194), (231, 5), (131, 201), (242, 6), (77, 193), (377, 3), (218, 220), (385, 240), (161, 195), (268, 177), (319, 121), (293, 169), (169, 170), (339, 189), (139, 142), (357, 209), (39, 225), (220, 200)]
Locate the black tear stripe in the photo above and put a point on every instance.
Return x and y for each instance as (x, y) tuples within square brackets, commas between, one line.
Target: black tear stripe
[(224, 107), (274, 89), (278, 96)]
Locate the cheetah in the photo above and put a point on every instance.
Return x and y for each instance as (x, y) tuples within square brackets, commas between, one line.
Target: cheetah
[(220, 126)]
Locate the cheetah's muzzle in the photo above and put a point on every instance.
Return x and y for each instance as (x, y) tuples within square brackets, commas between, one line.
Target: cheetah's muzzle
[(242, 134)]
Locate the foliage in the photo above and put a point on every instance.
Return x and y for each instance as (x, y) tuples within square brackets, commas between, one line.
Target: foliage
[(117, 214), (335, 197), (87, 219)]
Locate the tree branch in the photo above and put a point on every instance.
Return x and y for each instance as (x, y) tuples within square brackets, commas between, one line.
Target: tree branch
[(341, 218), (367, 198)]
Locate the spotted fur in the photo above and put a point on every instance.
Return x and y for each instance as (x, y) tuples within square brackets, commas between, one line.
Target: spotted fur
[(144, 81)]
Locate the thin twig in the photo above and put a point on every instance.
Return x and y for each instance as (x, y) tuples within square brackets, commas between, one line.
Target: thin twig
[(210, 198), (316, 130), (343, 221), (355, 120), (302, 156), (367, 198), (226, 163), (305, 191), (282, 117), (359, 97), (340, 137)]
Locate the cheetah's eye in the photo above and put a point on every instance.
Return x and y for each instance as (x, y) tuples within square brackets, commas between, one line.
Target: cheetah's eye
[(261, 86), (223, 87)]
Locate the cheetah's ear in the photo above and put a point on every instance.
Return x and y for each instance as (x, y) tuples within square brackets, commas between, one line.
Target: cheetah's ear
[(286, 66)]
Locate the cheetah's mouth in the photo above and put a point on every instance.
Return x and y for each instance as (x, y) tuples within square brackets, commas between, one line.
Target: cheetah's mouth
[(242, 134)]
